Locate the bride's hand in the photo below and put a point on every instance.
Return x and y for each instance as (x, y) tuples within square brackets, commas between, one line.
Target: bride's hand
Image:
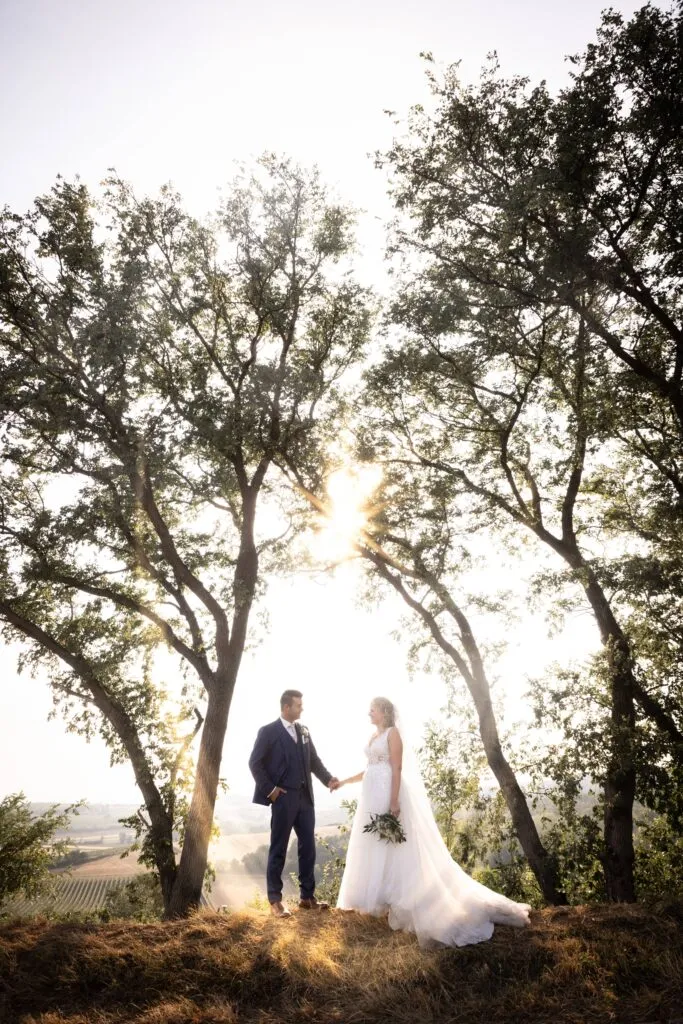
[(395, 809)]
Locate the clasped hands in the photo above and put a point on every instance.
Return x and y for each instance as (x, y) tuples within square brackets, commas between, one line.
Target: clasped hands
[(334, 783)]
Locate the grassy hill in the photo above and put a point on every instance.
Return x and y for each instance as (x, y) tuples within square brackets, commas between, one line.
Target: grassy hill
[(579, 965)]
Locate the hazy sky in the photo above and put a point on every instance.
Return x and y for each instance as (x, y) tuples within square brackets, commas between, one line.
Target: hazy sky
[(173, 90), (178, 91)]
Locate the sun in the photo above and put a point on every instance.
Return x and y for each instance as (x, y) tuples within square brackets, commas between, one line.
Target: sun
[(346, 511)]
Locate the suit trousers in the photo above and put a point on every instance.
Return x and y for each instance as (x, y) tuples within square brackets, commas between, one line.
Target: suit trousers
[(291, 810)]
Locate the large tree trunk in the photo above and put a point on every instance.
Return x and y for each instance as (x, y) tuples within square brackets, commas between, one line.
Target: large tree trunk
[(540, 861), (619, 793), (619, 786), (620, 782), (187, 890)]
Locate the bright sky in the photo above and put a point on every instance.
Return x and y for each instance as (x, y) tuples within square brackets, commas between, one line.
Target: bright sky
[(176, 91)]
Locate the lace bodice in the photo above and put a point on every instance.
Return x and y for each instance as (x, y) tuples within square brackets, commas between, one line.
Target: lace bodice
[(377, 750)]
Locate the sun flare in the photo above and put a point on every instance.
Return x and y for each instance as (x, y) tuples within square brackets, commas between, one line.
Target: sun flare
[(347, 512)]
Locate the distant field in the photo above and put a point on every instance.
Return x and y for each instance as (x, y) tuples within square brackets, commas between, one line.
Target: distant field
[(234, 847), (75, 894), (221, 854), (72, 894), (88, 841), (113, 866), (85, 886), (234, 887)]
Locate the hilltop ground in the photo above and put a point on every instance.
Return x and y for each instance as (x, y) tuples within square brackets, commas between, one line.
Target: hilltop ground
[(580, 965)]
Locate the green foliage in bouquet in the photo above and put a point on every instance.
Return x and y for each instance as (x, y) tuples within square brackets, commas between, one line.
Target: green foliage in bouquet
[(387, 827)]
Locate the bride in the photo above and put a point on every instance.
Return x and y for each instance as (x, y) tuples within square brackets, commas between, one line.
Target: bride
[(417, 881)]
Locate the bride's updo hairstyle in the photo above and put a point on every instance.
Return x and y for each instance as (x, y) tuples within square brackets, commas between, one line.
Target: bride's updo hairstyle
[(387, 710)]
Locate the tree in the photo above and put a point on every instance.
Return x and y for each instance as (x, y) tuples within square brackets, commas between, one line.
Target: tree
[(153, 368), (494, 431), (28, 845), (546, 230)]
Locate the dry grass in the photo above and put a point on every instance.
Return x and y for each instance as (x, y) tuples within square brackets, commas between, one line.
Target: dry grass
[(584, 965)]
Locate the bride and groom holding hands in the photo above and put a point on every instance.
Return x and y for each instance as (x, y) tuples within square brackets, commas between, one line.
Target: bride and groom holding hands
[(416, 882)]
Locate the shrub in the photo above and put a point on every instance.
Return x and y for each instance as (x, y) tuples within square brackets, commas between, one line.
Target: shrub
[(138, 900), (28, 847)]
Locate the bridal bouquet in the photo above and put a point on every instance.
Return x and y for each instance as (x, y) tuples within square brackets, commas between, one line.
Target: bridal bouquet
[(387, 827)]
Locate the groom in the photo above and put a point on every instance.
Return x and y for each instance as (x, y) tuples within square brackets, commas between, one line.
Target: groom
[(281, 762)]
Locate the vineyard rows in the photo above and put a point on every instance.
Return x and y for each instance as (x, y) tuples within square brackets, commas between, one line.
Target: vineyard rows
[(69, 894), (73, 894)]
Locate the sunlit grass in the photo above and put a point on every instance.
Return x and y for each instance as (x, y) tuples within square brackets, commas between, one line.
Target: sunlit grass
[(578, 965)]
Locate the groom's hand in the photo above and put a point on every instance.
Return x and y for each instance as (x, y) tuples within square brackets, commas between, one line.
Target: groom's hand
[(334, 783), (278, 791)]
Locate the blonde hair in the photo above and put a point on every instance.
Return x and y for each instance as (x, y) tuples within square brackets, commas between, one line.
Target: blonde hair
[(387, 709)]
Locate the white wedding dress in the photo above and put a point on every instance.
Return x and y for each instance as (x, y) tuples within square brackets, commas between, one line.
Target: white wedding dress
[(417, 882)]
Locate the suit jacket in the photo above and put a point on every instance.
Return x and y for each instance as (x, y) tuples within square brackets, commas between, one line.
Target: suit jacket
[(274, 755)]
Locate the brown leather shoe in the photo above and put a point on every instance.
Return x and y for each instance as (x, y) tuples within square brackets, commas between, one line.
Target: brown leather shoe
[(313, 904), (279, 910)]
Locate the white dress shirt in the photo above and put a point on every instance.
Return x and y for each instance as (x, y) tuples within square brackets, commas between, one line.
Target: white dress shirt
[(289, 726)]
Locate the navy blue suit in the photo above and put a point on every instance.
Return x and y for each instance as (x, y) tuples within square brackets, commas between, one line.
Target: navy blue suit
[(277, 760)]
